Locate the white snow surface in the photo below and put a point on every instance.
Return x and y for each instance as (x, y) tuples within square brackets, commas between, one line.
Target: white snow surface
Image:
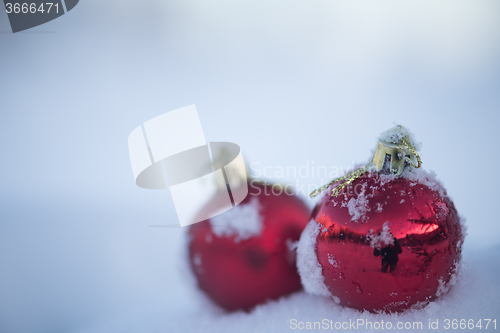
[(242, 221), (310, 271), (474, 296)]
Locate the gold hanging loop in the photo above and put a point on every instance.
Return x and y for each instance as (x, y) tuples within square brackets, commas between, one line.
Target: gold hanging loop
[(349, 178)]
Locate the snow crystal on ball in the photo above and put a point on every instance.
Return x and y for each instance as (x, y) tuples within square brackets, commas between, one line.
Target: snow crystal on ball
[(420, 176), (332, 260), (386, 178), (384, 239), (310, 271), (358, 207), (242, 221)]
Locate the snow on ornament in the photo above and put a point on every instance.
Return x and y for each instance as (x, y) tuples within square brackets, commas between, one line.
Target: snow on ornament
[(384, 238), (246, 256)]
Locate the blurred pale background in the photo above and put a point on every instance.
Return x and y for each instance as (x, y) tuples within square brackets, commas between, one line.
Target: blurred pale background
[(288, 81)]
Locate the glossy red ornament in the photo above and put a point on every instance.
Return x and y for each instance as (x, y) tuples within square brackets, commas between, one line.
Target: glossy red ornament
[(388, 243), (241, 273)]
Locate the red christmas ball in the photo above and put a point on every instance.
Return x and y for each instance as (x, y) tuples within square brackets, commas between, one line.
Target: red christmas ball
[(387, 243), (245, 256)]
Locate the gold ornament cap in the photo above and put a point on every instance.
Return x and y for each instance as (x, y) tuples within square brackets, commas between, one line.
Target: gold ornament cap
[(399, 144)]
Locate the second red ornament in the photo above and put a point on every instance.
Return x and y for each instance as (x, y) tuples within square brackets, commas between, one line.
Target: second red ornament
[(246, 256)]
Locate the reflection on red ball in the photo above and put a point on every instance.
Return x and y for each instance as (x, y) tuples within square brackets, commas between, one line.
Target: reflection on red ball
[(390, 243), (238, 271)]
